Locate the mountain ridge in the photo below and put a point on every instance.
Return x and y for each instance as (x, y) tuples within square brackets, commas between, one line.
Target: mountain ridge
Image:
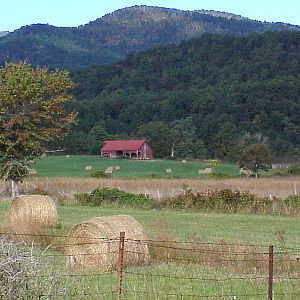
[(115, 35)]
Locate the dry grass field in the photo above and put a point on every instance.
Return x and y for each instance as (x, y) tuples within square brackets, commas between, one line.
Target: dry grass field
[(64, 188)]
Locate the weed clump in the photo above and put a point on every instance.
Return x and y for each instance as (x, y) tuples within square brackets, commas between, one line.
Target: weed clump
[(232, 201), (112, 196), (222, 200), (20, 270), (99, 174)]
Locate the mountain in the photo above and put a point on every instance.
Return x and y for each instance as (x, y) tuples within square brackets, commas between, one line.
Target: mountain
[(218, 92), (120, 33)]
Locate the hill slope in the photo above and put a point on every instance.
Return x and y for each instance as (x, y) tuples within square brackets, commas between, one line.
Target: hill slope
[(219, 92), (115, 35)]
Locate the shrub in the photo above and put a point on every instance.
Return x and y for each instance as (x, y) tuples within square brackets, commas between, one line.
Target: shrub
[(224, 200), (100, 174), (293, 170), (153, 175), (227, 200), (278, 172), (83, 198), (292, 200), (20, 268), (108, 196), (220, 200)]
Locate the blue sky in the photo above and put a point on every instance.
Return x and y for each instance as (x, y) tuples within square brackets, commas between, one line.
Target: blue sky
[(17, 13)]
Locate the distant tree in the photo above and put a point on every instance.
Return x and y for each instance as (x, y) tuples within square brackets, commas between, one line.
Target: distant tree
[(256, 157), (183, 139), (157, 134), (31, 114), (181, 132), (224, 139), (76, 142), (96, 137)]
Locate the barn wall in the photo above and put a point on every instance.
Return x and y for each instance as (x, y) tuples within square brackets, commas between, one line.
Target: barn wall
[(146, 151)]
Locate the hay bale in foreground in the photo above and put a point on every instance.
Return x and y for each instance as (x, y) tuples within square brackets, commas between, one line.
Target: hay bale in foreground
[(31, 210), (94, 243)]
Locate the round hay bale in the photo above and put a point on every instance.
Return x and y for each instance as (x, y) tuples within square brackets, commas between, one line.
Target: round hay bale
[(94, 244), (32, 210)]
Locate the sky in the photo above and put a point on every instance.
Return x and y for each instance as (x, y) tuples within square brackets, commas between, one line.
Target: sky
[(72, 13)]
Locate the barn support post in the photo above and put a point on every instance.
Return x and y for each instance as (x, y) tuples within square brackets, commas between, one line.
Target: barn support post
[(271, 272), (120, 265)]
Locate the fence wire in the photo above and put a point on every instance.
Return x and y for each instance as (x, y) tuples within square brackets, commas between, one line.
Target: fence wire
[(49, 267)]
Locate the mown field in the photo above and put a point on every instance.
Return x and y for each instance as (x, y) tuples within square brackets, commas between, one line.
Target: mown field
[(74, 166)]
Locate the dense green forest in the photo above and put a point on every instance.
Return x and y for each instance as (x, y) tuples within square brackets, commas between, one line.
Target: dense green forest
[(118, 34), (208, 97)]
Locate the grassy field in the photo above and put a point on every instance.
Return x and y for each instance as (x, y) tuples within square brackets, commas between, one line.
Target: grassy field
[(174, 278), (62, 177), (182, 225), (232, 277), (171, 278), (74, 166), (213, 227)]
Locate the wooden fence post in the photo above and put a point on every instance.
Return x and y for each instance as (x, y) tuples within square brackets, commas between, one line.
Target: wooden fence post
[(271, 272), (120, 265)]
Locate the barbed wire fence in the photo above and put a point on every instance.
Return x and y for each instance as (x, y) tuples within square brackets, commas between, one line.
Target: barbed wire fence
[(176, 270)]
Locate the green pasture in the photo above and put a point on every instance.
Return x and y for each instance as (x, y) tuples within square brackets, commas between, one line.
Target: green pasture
[(74, 166), (173, 279), (183, 225), (212, 227)]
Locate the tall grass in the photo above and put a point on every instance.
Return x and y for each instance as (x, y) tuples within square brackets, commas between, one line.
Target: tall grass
[(65, 188)]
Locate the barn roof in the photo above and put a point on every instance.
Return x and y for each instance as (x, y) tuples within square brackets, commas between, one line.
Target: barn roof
[(122, 145)]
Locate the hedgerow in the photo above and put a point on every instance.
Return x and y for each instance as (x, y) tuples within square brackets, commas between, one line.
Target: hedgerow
[(224, 200)]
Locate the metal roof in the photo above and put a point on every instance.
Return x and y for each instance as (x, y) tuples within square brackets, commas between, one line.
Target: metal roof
[(123, 145)]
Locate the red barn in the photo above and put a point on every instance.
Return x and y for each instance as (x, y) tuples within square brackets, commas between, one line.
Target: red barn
[(136, 149)]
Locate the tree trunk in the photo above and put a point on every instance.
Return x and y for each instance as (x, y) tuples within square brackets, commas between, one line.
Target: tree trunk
[(172, 149), (14, 189)]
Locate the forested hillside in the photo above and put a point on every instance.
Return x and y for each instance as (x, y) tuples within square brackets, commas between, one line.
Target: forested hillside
[(208, 97), (115, 35)]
